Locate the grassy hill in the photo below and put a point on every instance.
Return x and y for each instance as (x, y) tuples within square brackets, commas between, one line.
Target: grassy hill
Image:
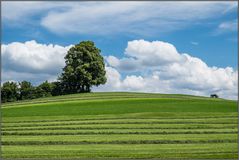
[(120, 125)]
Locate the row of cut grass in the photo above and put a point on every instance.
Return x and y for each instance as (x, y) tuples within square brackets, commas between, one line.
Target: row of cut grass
[(118, 142), (115, 132), (95, 127), (116, 123), (231, 120), (211, 150), (126, 126), (141, 115), (106, 132), (98, 138), (123, 118)]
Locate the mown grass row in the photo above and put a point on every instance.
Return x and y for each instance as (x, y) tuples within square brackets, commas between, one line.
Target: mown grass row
[(167, 148), (141, 115), (116, 128), (119, 118), (113, 129), (119, 150), (100, 123), (118, 142), (111, 132), (122, 152), (121, 156), (126, 120), (126, 126), (118, 137)]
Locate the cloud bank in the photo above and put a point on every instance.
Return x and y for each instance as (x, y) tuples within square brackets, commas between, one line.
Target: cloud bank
[(163, 69), (100, 18), (146, 67)]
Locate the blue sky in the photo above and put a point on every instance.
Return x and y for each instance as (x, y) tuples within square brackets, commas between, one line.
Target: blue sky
[(206, 30)]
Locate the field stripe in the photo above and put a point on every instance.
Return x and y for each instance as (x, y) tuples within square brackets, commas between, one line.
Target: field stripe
[(87, 123), (124, 118), (117, 142), (130, 151), (110, 133), (167, 156), (115, 127)]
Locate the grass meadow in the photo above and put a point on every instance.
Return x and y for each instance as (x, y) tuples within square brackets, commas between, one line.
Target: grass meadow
[(120, 125)]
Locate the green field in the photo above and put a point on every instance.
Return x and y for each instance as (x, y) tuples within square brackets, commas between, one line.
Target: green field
[(120, 125)]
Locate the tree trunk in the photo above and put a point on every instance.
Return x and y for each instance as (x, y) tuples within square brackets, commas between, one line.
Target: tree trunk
[(88, 88)]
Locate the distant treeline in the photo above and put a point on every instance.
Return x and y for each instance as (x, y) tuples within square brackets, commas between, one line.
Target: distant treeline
[(13, 91)]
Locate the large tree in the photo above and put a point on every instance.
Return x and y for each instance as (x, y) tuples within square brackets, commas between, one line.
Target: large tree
[(57, 88), (26, 90), (9, 92), (84, 68), (45, 89)]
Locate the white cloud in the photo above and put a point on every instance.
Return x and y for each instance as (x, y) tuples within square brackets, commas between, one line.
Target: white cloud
[(113, 79), (152, 53), (133, 82), (140, 54), (31, 60), (171, 72), (33, 57), (128, 17), (99, 18)]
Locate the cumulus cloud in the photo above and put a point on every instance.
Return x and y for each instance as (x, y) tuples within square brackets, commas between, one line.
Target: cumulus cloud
[(171, 71), (142, 54), (152, 53), (113, 17), (33, 57), (32, 60)]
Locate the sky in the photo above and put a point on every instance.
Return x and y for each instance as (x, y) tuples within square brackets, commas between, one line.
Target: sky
[(159, 47)]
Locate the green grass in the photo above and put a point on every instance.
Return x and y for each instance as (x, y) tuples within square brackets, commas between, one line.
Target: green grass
[(188, 151), (116, 137), (118, 107), (120, 125)]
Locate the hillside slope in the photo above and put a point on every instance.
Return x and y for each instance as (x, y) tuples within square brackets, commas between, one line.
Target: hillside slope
[(120, 125)]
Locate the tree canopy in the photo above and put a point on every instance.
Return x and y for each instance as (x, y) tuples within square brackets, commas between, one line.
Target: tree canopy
[(84, 68), (45, 89), (9, 92), (26, 90)]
